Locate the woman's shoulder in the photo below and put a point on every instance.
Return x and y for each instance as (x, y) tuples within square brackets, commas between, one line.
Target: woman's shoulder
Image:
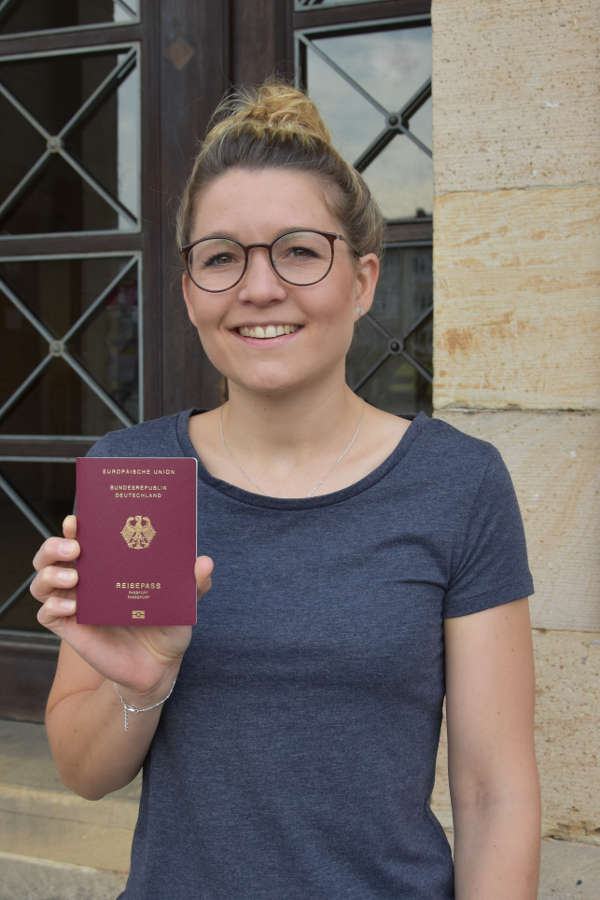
[(448, 442), (154, 437)]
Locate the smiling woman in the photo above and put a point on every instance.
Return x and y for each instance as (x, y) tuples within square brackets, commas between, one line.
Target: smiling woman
[(307, 284), (364, 567)]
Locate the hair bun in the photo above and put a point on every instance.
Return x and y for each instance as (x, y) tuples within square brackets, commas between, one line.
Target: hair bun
[(274, 109), (277, 126)]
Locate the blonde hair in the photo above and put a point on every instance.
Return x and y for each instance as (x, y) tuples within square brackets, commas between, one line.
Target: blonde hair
[(278, 126)]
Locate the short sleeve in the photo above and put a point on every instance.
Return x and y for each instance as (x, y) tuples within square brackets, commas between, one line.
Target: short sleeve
[(490, 563)]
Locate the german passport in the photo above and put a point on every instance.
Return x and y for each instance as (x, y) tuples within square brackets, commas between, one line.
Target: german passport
[(136, 525)]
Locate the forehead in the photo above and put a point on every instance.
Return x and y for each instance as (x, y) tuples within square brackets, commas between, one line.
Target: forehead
[(263, 200)]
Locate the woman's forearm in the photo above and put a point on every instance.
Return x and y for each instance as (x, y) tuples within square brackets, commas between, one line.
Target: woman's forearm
[(93, 753), (497, 850)]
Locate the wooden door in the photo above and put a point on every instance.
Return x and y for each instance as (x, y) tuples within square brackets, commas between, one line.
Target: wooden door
[(104, 104)]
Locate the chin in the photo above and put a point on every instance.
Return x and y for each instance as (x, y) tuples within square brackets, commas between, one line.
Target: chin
[(267, 387)]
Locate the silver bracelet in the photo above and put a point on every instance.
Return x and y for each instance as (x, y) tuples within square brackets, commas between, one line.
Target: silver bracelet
[(128, 708)]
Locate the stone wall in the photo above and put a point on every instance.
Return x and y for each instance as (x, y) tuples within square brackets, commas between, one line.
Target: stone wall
[(517, 332)]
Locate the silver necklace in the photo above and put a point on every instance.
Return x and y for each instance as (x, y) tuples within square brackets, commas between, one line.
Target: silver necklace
[(321, 481)]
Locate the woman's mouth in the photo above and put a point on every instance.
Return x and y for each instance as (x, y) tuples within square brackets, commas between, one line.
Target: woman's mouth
[(266, 331)]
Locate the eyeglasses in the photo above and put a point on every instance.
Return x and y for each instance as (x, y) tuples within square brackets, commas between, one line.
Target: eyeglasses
[(298, 257)]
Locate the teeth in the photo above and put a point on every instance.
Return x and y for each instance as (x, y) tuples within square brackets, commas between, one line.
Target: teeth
[(270, 331)]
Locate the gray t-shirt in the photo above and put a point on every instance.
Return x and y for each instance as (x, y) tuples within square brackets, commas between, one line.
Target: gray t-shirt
[(296, 757)]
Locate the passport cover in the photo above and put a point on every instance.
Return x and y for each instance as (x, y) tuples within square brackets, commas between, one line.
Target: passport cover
[(136, 525)]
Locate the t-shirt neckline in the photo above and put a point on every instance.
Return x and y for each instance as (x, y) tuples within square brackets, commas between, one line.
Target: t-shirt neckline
[(231, 490)]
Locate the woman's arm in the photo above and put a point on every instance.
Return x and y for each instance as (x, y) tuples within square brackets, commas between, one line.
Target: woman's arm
[(84, 717), (494, 786), (93, 753)]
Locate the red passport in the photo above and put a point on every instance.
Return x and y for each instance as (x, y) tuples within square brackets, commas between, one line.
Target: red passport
[(136, 525)]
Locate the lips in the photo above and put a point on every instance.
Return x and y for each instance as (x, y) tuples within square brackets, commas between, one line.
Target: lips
[(266, 331)]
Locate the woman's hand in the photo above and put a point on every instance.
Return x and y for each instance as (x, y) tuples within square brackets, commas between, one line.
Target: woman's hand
[(143, 660)]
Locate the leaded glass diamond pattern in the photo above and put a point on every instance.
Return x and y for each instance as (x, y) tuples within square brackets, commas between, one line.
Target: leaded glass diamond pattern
[(97, 347), (33, 16), (372, 84), (75, 122), (71, 360)]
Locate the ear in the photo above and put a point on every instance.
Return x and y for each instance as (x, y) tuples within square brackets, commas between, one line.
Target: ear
[(185, 288), (367, 273)]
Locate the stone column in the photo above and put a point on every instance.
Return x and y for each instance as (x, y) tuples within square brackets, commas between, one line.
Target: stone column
[(516, 117)]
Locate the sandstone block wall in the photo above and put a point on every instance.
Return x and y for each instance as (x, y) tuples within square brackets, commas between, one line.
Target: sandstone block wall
[(517, 332)]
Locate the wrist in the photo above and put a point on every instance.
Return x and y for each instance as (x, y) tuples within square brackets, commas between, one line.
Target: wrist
[(131, 708), (154, 694)]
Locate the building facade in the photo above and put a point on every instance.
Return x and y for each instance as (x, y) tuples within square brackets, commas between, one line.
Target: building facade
[(104, 104)]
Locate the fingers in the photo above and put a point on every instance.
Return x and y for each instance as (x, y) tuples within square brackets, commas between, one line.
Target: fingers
[(54, 550), (56, 579), (57, 608), (52, 579), (202, 572)]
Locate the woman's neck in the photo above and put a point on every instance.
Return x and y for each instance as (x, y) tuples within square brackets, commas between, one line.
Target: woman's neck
[(290, 430), (294, 446)]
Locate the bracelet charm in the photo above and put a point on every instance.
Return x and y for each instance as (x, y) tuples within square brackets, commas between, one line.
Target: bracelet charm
[(128, 708)]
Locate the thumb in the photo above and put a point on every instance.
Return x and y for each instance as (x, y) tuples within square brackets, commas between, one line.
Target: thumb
[(69, 527), (202, 571)]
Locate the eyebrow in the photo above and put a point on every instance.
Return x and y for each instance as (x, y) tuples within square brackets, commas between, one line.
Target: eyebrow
[(287, 230)]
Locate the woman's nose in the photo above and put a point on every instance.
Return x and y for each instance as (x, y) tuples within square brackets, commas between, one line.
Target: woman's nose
[(261, 282)]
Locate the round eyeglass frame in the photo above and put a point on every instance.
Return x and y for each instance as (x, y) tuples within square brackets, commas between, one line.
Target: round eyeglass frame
[(330, 235)]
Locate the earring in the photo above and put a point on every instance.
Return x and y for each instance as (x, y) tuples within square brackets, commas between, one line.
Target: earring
[(360, 311)]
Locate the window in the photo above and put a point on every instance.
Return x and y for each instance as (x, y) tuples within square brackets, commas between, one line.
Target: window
[(372, 83)]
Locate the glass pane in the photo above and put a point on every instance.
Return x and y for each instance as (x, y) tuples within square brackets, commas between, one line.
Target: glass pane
[(60, 403), (420, 342), (52, 88), (42, 208), (108, 345), (58, 291), (48, 489), (352, 121), (398, 388), (21, 614), (114, 165), (405, 288), (21, 148), (421, 124), (389, 65), (22, 348), (369, 345), (36, 15), (401, 180), (404, 293), (104, 141)]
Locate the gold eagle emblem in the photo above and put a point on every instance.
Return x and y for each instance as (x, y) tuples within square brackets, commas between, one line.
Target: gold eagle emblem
[(138, 532)]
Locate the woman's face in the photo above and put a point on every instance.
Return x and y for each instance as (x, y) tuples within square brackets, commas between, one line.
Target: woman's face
[(256, 206)]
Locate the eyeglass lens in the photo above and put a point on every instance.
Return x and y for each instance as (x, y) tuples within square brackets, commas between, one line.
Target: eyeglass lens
[(301, 257)]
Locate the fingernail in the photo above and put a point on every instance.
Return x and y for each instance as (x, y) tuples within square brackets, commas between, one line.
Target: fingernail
[(66, 576), (66, 548), (68, 606)]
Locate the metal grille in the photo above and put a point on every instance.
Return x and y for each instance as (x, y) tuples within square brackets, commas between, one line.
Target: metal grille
[(300, 5), (113, 66), (20, 17), (28, 481), (58, 346), (72, 337), (390, 361)]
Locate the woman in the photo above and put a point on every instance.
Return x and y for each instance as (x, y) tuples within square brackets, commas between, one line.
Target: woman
[(364, 566)]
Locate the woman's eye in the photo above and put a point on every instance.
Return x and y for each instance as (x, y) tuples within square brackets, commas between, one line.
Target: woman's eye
[(301, 252), (219, 259)]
